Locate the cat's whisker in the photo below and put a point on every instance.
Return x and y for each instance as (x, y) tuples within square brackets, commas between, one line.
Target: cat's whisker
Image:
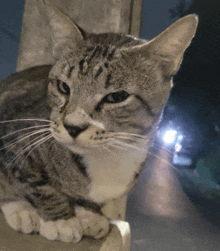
[(159, 146), (113, 144), (22, 120), (144, 150), (164, 161), (133, 135), (24, 129), (138, 138), (106, 148), (23, 137), (39, 143), (163, 148), (122, 143), (28, 146), (15, 141), (131, 139)]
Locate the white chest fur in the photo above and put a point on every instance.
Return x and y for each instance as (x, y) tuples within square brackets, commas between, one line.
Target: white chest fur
[(111, 173)]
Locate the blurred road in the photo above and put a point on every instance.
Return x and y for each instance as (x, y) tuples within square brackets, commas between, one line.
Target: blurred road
[(162, 216)]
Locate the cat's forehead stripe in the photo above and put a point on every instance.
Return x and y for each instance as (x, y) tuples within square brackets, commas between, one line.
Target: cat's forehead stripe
[(70, 71), (100, 70), (107, 82), (111, 54), (105, 52), (96, 52), (146, 106)]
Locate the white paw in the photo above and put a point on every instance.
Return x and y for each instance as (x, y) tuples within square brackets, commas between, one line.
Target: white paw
[(21, 216), (93, 224), (64, 230)]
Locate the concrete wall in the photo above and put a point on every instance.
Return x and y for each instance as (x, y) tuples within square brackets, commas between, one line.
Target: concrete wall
[(92, 15)]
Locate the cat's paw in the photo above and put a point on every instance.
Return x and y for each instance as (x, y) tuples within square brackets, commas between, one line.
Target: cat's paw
[(93, 224), (64, 230), (21, 216)]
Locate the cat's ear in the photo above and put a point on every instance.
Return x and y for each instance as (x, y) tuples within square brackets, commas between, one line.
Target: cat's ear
[(169, 46), (66, 36)]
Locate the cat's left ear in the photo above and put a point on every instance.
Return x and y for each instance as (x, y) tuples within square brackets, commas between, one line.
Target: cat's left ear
[(66, 36), (169, 46)]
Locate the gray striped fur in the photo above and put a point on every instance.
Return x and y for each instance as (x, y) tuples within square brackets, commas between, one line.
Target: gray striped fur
[(104, 96)]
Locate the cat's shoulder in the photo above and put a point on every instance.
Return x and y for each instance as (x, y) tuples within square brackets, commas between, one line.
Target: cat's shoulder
[(25, 84), (32, 74)]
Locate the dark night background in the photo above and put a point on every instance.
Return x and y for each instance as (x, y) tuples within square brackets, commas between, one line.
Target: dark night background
[(194, 103), (197, 84)]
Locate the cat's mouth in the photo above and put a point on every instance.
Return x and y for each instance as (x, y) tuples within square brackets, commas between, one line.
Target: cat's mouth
[(61, 134), (80, 142)]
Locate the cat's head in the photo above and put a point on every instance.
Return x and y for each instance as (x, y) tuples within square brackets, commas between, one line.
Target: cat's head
[(105, 85)]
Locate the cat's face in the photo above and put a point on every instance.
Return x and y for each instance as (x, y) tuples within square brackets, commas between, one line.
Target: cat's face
[(102, 88), (92, 100)]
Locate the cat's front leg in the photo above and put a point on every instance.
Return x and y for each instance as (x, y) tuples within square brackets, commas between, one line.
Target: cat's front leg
[(53, 216), (69, 230), (85, 223), (21, 216), (93, 224)]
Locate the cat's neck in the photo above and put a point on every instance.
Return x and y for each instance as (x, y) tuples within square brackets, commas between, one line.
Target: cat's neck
[(112, 174)]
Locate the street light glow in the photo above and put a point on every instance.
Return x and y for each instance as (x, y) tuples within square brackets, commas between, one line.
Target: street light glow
[(169, 136)]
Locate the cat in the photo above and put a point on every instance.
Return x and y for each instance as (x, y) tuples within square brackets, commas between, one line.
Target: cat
[(75, 135)]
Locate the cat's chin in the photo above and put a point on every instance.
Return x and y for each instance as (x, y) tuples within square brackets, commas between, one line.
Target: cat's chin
[(76, 149), (85, 150)]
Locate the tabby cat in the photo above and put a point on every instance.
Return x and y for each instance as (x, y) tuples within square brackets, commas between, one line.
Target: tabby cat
[(76, 134)]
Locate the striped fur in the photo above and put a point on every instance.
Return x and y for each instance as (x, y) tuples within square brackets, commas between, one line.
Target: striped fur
[(92, 117)]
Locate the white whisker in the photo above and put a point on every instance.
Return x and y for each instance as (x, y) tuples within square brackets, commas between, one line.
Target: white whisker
[(162, 146), (22, 120), (113, 144), (28, 146), (159, 147), (24, 129), (127, 134), (122, 143), (41, 141), (139, 140), (16, 140), (25, 137), (163, 160), (106, 148)]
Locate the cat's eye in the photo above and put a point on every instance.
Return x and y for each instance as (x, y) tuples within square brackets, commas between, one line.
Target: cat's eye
[(116, 97), (63, 87)]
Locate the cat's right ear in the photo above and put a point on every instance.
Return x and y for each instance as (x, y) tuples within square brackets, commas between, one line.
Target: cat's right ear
[(66, 36), (169, 46)]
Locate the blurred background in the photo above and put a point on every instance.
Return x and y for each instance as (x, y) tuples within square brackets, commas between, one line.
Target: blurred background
[(189, 132)]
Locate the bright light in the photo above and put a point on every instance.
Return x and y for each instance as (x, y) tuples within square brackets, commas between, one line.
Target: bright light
[(169, 136), (178, 147)]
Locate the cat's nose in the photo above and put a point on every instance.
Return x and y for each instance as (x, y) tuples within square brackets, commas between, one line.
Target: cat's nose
[(74, 131)]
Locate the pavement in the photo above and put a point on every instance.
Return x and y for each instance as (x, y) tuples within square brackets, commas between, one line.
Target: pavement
[(165, 216)]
